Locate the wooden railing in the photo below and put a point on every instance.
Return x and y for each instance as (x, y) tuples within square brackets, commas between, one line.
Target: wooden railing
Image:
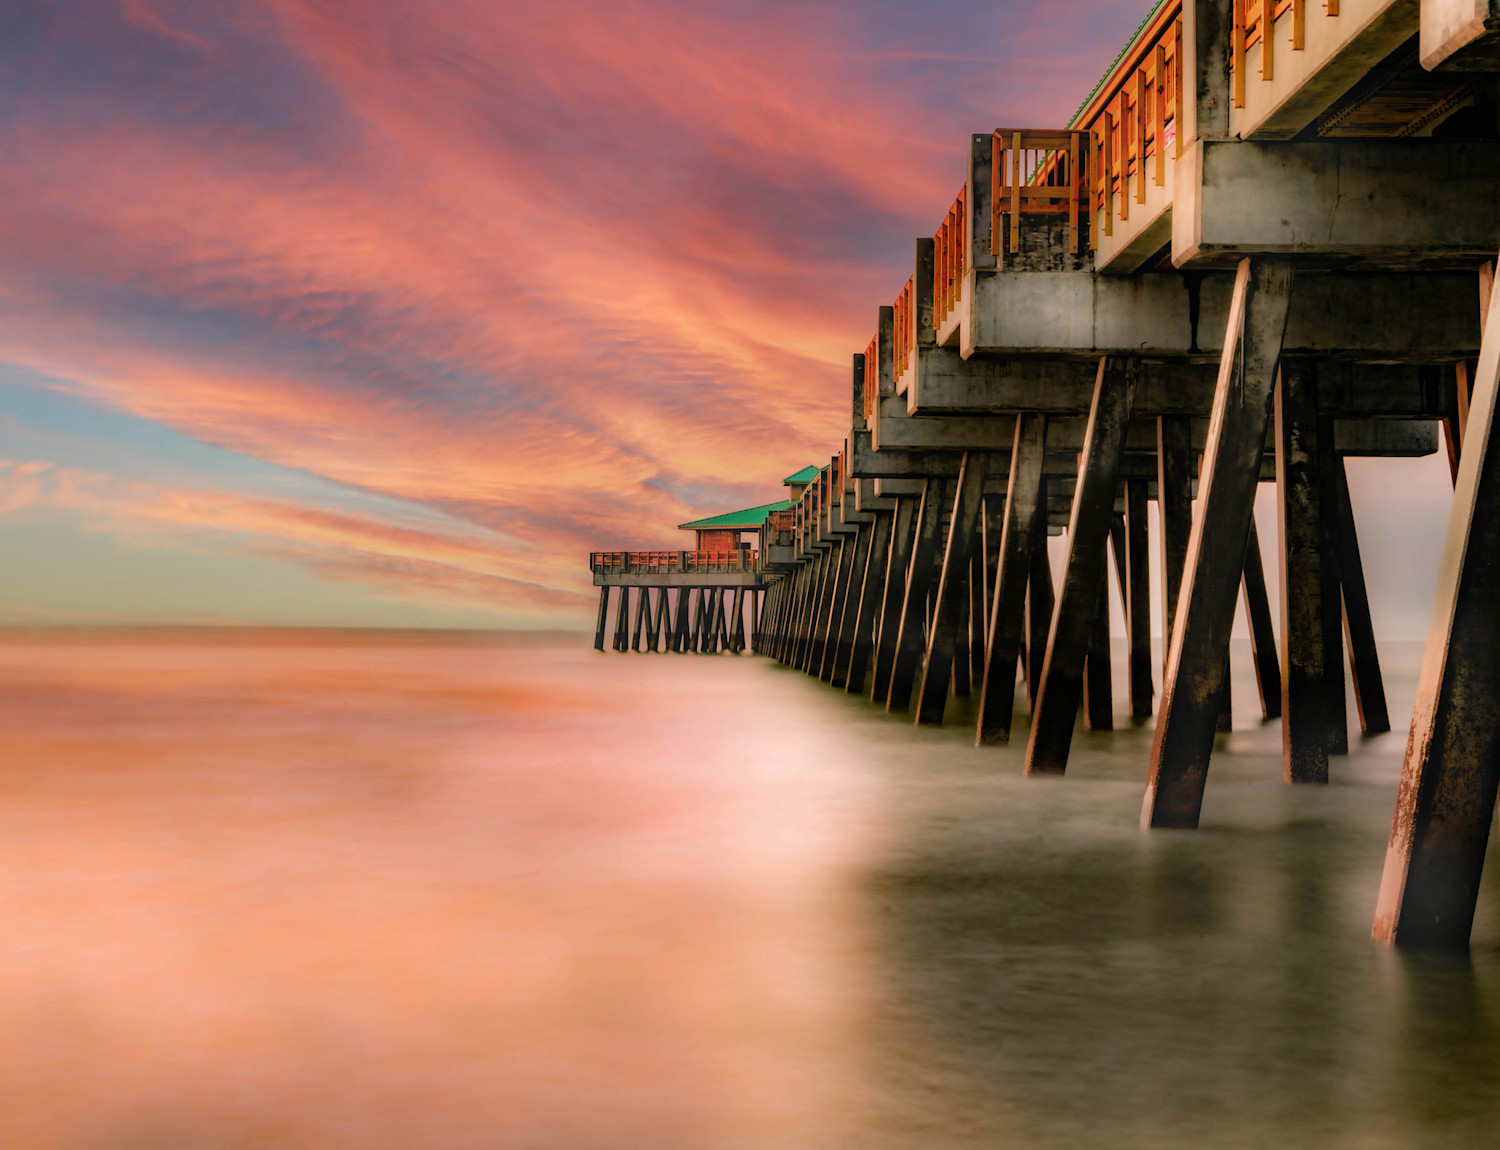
[(1254, 21), (777, 530), (950, 256), (904, 330), (1036, 173), (872, 378), (1136, 126), (671, 562)]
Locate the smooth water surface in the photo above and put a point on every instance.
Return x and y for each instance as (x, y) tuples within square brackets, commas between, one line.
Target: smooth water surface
[(271, 889)]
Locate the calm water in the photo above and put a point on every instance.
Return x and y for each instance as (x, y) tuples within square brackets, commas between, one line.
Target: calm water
[(301, 890)]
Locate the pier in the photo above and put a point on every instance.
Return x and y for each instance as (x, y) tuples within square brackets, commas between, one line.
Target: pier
[(1261, 246)]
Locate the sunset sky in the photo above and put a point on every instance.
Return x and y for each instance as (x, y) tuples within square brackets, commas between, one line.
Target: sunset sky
[(386, 313)]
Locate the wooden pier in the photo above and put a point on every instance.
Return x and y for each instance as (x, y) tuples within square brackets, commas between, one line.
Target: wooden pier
[(1264, 244)]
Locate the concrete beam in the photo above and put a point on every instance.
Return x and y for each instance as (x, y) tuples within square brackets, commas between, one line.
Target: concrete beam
[(1390, 317), (1460, 35), (1376, 204)]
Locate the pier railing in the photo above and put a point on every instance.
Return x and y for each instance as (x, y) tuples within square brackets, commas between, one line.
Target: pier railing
[(904, 330), (1036, 173), (950, 256), (671, 562)]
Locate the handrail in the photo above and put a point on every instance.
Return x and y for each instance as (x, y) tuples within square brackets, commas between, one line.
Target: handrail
[(872, 377), (1137, 124), (1251, 24), (950, 259), (1036, 172), (671, 562), (903, 335)]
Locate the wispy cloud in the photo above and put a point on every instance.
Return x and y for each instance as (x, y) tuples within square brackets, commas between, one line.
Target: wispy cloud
[(549, 271)]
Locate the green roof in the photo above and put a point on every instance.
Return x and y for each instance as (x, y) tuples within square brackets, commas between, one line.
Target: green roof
[(806, 475), (746, 520), (1125, 51)]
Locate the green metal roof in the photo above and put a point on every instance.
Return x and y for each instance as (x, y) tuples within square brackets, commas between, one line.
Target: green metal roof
[(806, 475), (746, 520)]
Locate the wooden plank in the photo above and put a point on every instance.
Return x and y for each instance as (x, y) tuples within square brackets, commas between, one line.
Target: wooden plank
[(1068, 638), (1192, 685)]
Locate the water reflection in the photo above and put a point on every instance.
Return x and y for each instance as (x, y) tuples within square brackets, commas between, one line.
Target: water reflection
[(307, 890)]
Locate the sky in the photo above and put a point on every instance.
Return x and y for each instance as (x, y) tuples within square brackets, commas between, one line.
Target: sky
[(316, 312)]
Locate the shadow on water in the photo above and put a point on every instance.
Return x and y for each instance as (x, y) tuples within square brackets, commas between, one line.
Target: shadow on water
[(1055, 977)]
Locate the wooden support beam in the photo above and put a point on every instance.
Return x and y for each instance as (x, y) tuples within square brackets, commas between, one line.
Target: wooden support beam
[(926, 554), (1262, 630), (1359, 628), (848, 614), (603, 618), (1191, 688), (1083, 572), (1308, 575), (700, 619), (818, 622), (622, 621), (1138, 599), (961, 667), (847, 550), (793, 605), (642, 613), (978, 611), (1446, 801), (1333, 630), (1098, 682), (663, 621), (1023, 527), (1174, 505), (686, 602), (810, 603), (862, 639), (947, 615), (829, 595), (888, 625), (1039, 604)]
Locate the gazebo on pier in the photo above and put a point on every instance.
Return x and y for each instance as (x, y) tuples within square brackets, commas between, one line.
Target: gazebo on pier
[(722, 557)]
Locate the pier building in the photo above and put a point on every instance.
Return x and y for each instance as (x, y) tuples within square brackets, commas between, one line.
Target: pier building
[(1262, 245)]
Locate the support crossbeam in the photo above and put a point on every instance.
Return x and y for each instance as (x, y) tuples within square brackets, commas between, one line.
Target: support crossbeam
[(1446, 799), (1191, 688), (1088, 535)]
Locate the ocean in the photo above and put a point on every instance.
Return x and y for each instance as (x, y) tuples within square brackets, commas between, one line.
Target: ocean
[(326, 889)]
